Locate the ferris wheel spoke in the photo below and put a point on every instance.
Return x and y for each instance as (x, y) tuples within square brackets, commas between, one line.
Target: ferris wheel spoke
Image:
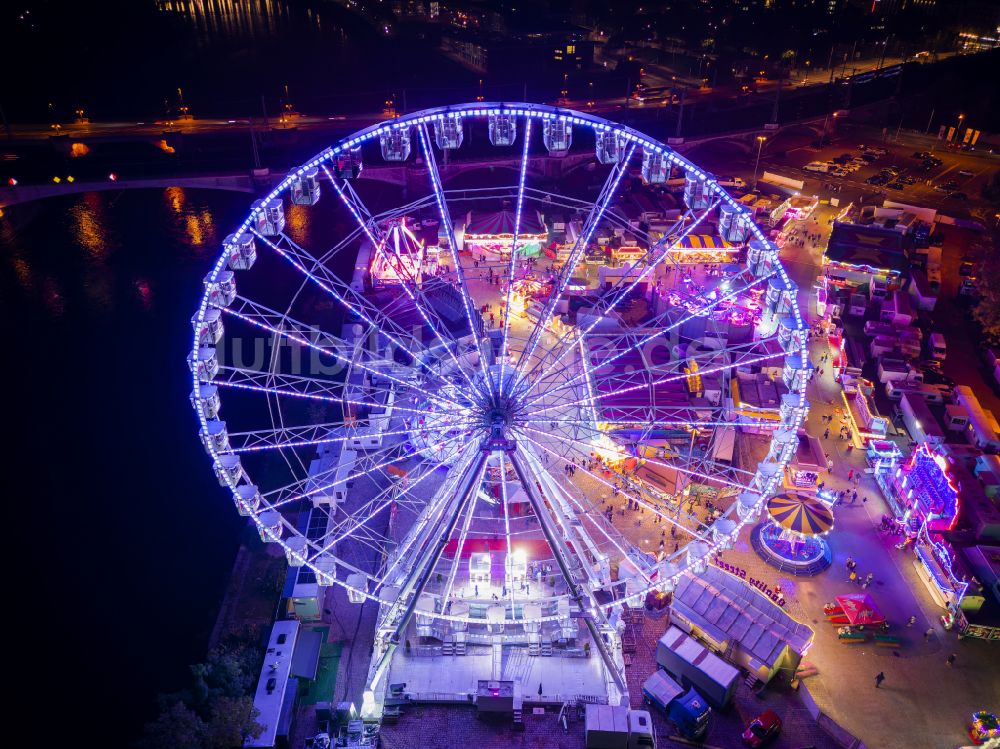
[(380, 241), (665, 463), (666, 380), (347, 361), (642, 503), (650, 260), (513, 261), (597, 520), (286, 437), (328, 282), (648, 377), (428, 314), (295, 386), (430, 518), (474, 319), (394, 493), (653, 330), (356, 207), (607, 193), (313, 485)]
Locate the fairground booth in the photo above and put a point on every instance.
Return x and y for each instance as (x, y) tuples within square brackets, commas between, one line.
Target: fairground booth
[(924, 496), (493, 232), (741, 618)]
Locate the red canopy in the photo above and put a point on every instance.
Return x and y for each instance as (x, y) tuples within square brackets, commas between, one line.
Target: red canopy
[(859, 608)]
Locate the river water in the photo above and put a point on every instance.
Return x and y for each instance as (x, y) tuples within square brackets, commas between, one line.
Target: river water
[(127, 59), (124, 538)]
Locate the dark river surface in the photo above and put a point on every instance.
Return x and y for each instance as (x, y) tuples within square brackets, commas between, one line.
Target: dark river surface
[(123, 538), (130, 540)]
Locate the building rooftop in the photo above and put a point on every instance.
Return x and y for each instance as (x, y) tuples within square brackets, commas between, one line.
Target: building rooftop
[(729, 609)]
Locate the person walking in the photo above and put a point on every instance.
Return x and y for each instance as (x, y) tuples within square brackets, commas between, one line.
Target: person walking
[(911, 621), (879, 678), (951, 660), (928, 633)]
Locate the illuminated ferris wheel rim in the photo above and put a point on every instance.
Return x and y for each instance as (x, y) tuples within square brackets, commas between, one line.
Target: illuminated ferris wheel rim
[(530, 113)]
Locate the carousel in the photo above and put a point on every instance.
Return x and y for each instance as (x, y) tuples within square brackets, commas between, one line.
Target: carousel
[(702, 249), (401, 257), (493, 232), (792, 538)]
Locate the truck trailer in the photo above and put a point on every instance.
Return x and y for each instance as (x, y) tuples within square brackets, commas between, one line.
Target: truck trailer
[(685, 708), (692, 665)]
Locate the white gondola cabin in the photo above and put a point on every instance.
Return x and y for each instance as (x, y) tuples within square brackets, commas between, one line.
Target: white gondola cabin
[(608, 147), (503, 129), (241, 249), (222, 288), (204, 363), (395, 144), (228, 469), (655, 168), (305, 187), (697, 193), (206, 400), (215, 436), (247, 499), (357, 586), (208, 327), (448, 132), (348, 164), (269, 217), (269, 525), (296, 551), (557, 136), (734, 224)]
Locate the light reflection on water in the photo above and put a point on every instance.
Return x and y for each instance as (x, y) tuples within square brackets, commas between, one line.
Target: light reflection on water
[(104, 252), (194, 221), (232, 20)]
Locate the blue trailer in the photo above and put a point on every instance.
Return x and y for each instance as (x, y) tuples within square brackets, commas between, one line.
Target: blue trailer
[(687, 710)]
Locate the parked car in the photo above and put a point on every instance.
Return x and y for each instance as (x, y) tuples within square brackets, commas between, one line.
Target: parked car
[(897, 185), (817, 166), (921, 155), (839, 172), (967, 266), (876, 179), (965, 172), (907, 180), (762, 729), (958, 196)]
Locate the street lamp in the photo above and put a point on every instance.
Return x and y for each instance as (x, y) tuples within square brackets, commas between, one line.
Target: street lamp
[(760, 147), (958, 126)]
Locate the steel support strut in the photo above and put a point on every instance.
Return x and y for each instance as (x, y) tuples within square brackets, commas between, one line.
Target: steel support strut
[(417, 581), (559, 551)]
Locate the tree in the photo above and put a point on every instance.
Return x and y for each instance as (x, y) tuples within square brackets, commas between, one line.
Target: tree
[(233, 721), (176, 727), (987, 311)]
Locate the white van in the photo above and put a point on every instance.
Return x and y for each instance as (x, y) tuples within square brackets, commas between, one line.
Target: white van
[(817, 166)]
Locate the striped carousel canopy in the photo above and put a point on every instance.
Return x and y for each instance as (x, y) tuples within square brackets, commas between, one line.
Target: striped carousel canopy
[(800, 513), (499, 223), (703, 242)]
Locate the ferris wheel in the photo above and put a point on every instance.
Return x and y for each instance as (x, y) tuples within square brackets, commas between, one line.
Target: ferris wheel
[(568, 372)]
